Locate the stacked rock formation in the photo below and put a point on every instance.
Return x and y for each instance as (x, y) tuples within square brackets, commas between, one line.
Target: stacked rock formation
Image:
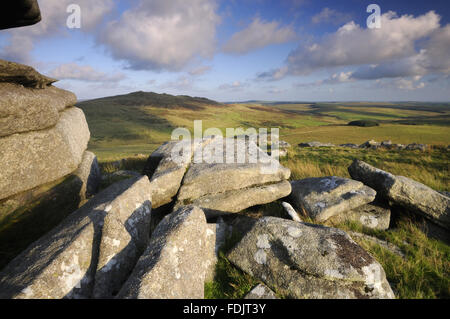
[(42, 135), (214, 177), (43, 141)]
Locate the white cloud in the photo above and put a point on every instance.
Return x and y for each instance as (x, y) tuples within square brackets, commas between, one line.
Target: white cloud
[(332, 16), (257, 35), (353, 45), (73, 71), (161, 34), (403, 49), (54, 17)]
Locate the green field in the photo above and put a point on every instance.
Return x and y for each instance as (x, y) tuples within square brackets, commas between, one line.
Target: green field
[(121, 128)]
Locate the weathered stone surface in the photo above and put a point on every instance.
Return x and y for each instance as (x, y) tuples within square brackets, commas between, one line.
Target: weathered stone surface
[(404, 192), (370, 144), (24, 109), (125, 234), (291, 212), (235, 201), (315, 144), (166, 173), (89, 173), (415, 147), (261, 291), (370, 215), (172, 266), (323, 197), (64, 261), (209, 177), (309, 261), (23, 74), (31, 159)]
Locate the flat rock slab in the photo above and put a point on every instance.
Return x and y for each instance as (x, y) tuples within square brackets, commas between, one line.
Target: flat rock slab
[(31, 159), (404, 192), (235, 201), (172, 266), (24, 109), (324, 197), (220, 171), (261, 292), (63, 263), (300, 260), (23, 74), (371, 215)]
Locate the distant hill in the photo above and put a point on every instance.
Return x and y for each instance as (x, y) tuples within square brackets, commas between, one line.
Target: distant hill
[(141, 98)]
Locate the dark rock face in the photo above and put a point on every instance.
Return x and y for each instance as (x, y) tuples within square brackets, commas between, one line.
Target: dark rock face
[(23, 74), (19, 13)]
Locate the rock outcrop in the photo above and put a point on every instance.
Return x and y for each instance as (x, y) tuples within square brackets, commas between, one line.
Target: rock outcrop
[(405, 192), (172, 265), (24, 109), (42, 135), (324, 197), (101, 240), (34, 158), (230, 184), (309, 261), (23, 74)]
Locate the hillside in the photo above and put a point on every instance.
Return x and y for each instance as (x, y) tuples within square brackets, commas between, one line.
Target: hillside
[(139, 122), (141, 98)]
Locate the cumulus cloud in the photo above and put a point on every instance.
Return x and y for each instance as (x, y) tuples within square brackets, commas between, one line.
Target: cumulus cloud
[(332, 16), (353, 45), (73, 71), (54, 17), (257, 35), (160, 34), (405, 47)]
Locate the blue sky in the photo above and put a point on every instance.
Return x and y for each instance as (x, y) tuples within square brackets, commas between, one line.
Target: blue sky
[(290, 50)]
